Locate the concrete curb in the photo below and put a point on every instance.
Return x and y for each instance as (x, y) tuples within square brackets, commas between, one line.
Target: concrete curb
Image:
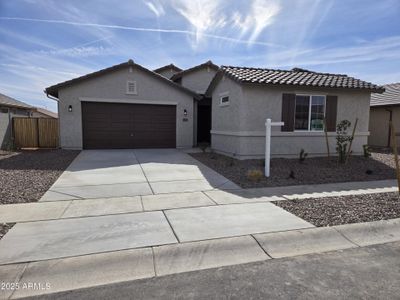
[(371, 233), (194, 256)]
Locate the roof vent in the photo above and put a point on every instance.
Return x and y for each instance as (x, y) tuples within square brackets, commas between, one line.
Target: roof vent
[(131, 88)]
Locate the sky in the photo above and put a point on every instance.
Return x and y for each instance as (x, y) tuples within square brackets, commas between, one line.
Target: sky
[(44, 42)]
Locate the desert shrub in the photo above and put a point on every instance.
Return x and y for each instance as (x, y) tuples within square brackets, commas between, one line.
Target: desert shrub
[(203, 146), (342, 140), (366, 151), (255, 175), (302, 156)]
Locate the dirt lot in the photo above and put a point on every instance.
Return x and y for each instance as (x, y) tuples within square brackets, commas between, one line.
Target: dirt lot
[(25, 176), (346, 209), (293, 172)]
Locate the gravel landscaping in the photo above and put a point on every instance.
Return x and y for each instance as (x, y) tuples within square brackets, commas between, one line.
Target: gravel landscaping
[(25, 176), (346, 209), (291, 171), (4, 227)]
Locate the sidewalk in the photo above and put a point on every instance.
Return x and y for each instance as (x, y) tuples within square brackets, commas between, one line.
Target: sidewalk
[(40, 211), (119, 266)]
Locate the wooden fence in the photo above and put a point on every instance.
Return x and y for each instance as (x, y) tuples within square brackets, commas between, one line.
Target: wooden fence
[(35, 132)]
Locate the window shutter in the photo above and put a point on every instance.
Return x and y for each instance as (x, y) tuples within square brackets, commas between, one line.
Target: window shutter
[(331, 112), (288, 106)]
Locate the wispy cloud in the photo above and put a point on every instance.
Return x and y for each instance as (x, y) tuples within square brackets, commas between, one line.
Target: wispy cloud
[(82, 50), (260, 15), (202, 15), (366, 51), (156, 7), (83, 36), (144, 29)]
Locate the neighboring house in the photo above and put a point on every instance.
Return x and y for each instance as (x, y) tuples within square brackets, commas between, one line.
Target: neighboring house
[(124, 106), (385, 108), (9, 108), (43, 113), (168, 71), (129, 106), (243, 98)]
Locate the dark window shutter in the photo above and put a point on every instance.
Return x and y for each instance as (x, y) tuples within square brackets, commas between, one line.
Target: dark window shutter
[(331, 112), (288, 106)]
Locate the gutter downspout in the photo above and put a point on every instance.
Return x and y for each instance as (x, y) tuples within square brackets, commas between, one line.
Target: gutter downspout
[(390, 129), (51, 97)]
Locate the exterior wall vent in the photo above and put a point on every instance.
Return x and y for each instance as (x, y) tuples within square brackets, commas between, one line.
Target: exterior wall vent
[(131, 88)]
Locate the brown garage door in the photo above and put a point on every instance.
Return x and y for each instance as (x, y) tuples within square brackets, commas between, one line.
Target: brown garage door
[(118, 126)]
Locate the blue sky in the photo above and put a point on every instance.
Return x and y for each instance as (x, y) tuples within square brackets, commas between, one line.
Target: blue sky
[(43, 42)]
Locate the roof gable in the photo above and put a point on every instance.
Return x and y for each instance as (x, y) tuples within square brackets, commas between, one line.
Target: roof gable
[(168, 67), (207, 64), (53, 90), (294, 77), (391, 96)]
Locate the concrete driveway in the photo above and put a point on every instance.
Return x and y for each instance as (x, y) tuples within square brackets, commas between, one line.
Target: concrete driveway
[(123, 173)]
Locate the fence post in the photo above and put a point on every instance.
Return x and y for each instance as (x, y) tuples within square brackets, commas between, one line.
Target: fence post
[(268, 125)]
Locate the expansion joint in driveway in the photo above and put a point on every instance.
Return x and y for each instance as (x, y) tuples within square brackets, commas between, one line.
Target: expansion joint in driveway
[(258, 243), (170, 225), (345, 237)]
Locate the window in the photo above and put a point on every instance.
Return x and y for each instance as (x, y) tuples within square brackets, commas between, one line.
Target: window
[(224, 99), (309, 113), (131, 87)]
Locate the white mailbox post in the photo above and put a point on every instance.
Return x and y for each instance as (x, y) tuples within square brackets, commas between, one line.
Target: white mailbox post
[(268, 125)]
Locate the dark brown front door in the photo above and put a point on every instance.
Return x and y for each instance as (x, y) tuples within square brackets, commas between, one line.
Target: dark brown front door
[(118, 126)]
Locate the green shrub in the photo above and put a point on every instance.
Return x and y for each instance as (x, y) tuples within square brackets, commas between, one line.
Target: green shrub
[(302, 156), (366, 151)]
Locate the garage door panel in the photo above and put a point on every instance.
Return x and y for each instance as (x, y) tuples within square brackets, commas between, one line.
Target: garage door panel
[(116, 125)]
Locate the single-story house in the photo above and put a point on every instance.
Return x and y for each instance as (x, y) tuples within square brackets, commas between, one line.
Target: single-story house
[(129, 106), (9, 108), (168, 71), (385, 107)]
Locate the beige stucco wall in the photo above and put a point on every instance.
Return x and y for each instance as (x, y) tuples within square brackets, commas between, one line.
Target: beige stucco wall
[(239, 129), (198, 80), (111, 87), (379, 125)]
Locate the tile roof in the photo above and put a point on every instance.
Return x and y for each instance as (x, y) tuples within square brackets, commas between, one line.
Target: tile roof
[(8, 101), (53, 90), (298, 77), (206, 64), (391, 96)]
